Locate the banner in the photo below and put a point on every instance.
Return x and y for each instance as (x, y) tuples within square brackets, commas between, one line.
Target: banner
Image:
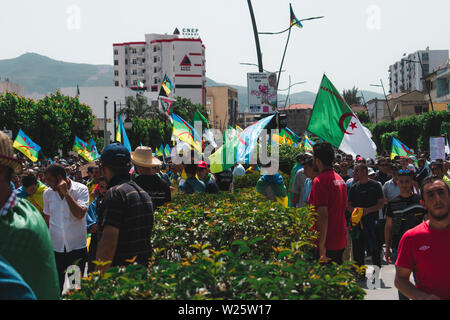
[(437, 148), (262, 92)]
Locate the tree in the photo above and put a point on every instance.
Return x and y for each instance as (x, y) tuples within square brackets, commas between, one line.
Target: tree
[(363, 117), (52, 122), (186, 109), (351, 96), (139, 108)]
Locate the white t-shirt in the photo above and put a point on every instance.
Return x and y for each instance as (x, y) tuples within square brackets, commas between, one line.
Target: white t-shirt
[(66, 230)]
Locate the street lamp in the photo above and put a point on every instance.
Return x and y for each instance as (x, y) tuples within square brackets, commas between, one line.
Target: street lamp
[(423, 77), (105, 141), (387, 101)]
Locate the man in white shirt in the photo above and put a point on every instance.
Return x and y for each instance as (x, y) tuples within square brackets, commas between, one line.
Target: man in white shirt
[(65, 206)]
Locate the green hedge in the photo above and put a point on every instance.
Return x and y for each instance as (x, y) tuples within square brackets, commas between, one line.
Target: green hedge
[(227, 246), (414, 131)]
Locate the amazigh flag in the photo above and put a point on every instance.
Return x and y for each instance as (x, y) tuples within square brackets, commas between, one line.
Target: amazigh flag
[(294, 21), (308, 143), (121, 134), (292, 135), (225, 156), (82, 148), (400, 149), (167, 85), (167, 151), (160, 151), (25, 145), (248, 138), (186, 133), (94, 151), (333, 120)]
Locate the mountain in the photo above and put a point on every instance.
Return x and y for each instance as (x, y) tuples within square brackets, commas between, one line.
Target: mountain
[(40, 75)]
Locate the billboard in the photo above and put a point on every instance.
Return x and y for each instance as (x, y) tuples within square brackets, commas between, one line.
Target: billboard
[(262, 92)]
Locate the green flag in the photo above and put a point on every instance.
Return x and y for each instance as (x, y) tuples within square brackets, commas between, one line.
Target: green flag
[(199, 117), (333, 120)]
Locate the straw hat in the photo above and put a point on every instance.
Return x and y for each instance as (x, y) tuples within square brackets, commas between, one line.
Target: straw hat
[(143, 157), (7, 157)]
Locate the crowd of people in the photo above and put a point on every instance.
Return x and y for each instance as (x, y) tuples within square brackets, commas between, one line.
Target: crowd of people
[(53, 215)]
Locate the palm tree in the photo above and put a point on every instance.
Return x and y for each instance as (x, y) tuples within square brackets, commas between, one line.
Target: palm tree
[(351, 96), (139, 108)]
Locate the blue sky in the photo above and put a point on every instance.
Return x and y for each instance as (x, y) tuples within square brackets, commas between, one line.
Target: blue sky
[(354, 44)]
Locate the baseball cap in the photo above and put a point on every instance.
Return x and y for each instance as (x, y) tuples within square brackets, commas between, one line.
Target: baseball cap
[(115, 154), (203, 164)]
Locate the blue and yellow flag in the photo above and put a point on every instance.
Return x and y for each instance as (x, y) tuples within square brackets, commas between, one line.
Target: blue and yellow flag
[(94, 152), (25, 145), (121, 135)]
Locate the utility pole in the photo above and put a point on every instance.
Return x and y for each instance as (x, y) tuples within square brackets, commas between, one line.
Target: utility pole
[(115, 117), (255, 32), (105, 141)]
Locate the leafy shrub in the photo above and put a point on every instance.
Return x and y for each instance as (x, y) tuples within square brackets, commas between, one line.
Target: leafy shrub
[(248, 180), (227, 246), (210, 274)]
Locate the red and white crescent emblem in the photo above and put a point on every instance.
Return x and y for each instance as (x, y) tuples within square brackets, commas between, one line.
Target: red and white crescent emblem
[(352, 124)]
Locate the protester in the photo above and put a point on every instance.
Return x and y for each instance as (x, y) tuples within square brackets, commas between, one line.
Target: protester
[(403, 213), (125, 216), (65, 206), (91, 222), (93, 182), (329, 196), (271, 185), (424, 249), (298, 185), (146, 165), (437, 168), (422, 172), (24, 238), (33, 190), (208, 178), (224, 180), (368, 195), (311, 173), (391, 188), (192, 184), (12, 285), (383, 175)]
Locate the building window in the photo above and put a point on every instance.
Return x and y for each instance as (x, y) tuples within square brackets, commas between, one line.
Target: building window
[(143, 50), (116, 83), (155, 59), (126, 72), (126, 83), (116, 73), (116, 52), (134, 61), (126, 61), (155, 70), (134, 82), (133, 50), (116, 62), (135, 72), (154, 88)]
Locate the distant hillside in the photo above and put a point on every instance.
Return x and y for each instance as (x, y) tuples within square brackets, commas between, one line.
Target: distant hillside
[(40, 74)]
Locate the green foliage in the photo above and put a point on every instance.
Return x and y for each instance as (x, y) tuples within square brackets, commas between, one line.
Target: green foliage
[(363, 117), (351, 97), (386, 140), (184, 108), (414, 131), (56, 115), (287, 156), (227, 246), (248, 180)]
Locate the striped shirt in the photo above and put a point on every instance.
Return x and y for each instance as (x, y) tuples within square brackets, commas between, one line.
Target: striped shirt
[(129, 208), (10, 203), (406, 213)]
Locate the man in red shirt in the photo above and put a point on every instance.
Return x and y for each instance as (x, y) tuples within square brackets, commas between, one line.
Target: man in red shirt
[(425, 249), (329, 196)]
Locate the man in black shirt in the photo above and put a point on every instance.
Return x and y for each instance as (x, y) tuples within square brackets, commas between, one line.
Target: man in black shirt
[(366, 194), (383, 171), (125, 217), (146, 167), (224, 180), (403, 213)]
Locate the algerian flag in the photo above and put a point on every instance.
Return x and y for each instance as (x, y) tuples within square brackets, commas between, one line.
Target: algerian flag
[(333, 120)]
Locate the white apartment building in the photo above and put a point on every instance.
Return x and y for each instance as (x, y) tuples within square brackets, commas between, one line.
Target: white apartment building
[(406, 75), (182, 59)]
